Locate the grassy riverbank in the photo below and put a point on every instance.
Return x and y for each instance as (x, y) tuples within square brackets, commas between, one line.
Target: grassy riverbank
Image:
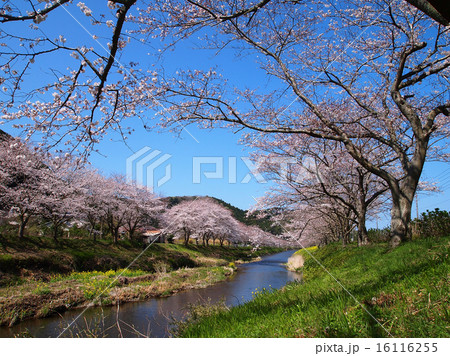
[(39, 278), (406, 290)]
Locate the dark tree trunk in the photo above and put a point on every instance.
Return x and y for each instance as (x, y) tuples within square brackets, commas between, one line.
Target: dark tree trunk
[(92, 233), (23, 222), (363, 237), (115, 233), (55, 232), (187, 235)]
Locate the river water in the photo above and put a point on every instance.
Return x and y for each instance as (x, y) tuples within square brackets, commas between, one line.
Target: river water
[(153, 318)]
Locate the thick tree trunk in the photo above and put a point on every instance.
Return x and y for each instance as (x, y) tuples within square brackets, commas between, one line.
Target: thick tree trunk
[(400, 221), (346, 228), (402, 199), (363, 237), (92, 233), (131, 233), (205, 239)]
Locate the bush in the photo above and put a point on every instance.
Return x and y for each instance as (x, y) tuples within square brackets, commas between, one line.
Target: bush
[(76, 231), (434, 223), (8, 230), (379, 235)]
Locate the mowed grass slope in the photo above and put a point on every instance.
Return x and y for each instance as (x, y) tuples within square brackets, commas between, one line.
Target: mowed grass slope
[(402, 292)]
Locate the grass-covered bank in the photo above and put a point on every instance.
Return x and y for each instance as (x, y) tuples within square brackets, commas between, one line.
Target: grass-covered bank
[(405, 289), (40, 258), (39, 278), (34, 299)]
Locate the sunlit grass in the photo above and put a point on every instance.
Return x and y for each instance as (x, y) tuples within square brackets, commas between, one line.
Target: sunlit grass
[(402, 292)]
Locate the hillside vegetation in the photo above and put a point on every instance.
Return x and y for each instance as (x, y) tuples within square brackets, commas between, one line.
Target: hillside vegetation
[(402, 292)]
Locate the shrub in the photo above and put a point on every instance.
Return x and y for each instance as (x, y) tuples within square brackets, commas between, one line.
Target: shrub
[(434, 223), (379, 235), (161, 267)]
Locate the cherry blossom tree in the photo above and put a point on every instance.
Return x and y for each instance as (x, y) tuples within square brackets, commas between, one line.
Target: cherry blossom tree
[(178, 219), (203, 217), (95, 200), (361, 73), (318, 225), (60, 192), (143, 209), (377, 75), (60, 188), (91, 92), (316, 173), (21, 172), (116, 194)]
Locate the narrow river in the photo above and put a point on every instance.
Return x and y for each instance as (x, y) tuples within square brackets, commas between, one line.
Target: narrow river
[(154, 317)]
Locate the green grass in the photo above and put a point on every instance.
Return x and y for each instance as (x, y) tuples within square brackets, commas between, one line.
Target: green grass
[(41, 257), (304, 251), (406, 290), (39, 277)]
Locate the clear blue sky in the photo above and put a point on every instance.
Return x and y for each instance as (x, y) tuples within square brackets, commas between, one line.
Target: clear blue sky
[(216, 143)]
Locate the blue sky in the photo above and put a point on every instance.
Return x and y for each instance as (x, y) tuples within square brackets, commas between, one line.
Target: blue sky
[(217, 143), (223, 144), (220, 145)]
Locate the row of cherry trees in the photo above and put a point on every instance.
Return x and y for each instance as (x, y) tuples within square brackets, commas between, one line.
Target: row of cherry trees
[(204, 219), (321, 199), (371, 76), (57, 190)]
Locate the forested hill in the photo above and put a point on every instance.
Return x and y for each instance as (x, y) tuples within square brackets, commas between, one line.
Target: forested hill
[(4, 136), (264, 224)]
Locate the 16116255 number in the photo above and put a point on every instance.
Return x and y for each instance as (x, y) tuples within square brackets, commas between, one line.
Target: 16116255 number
[(418, 347)]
